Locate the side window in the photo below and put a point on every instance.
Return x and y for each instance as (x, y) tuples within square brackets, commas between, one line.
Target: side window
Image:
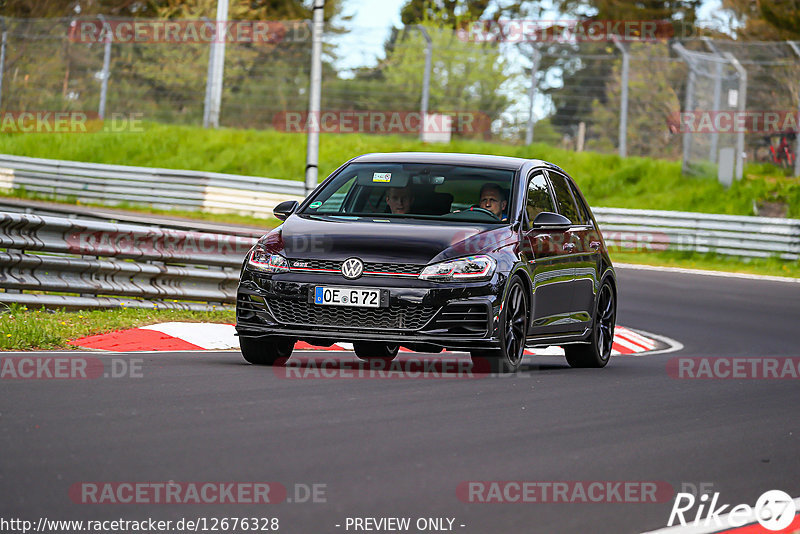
[(566, 204), (582, 208), (333, 203), (538, 199)]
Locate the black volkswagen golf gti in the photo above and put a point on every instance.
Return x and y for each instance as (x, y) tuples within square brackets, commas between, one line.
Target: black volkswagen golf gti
[(486, 254)]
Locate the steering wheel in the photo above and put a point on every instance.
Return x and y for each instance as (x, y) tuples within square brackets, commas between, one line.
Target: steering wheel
[(483, 210)]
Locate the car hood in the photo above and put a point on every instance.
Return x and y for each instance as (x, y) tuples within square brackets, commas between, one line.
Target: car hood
[(391, 241)]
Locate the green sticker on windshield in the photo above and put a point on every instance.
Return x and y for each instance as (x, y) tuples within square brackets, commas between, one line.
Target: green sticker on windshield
[(315, 205)]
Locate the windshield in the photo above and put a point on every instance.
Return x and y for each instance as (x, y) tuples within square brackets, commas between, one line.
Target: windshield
[(414, 190)]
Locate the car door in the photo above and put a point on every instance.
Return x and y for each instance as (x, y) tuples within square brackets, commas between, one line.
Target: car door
[(582, 249), (588, 268), (549, 264)]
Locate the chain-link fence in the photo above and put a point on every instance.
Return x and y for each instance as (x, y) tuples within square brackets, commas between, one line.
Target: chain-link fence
[(690, 98)]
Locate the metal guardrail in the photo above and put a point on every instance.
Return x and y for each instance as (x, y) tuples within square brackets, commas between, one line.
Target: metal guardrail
[(102, 264), (677, 230), (160, 188), (85, 213), (166, 264)]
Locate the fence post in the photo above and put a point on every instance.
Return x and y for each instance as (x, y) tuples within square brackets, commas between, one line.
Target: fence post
[(532, 95), (623, 114), (426, 79), (687, 106), (312, 150), (717, 97), (741, 105), (101, 110), (2, 56), (215, 100), (209, 78), (797, 134)]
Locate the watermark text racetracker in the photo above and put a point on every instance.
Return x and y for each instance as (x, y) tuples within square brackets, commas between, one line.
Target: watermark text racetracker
[(382, 122), (132, 31), (63, 122), (326, 368), (156, 242), (730, 122), (570, 31), (565, 491), (733, 367), (205, 492), (68, 368)]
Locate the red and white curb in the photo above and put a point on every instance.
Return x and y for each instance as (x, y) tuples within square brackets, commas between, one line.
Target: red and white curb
[(212, 336)]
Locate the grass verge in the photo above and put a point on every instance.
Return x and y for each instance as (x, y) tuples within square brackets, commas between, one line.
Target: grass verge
[(606, 179), (711, 262), (28, 329)]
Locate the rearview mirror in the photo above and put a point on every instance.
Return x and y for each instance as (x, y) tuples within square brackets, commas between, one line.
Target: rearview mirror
[(284, 209), (550, 220)]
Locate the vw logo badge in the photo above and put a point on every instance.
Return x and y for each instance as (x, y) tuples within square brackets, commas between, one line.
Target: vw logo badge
[(352, 268)]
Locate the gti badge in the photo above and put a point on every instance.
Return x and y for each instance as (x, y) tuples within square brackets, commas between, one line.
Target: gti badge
[(352, 268)]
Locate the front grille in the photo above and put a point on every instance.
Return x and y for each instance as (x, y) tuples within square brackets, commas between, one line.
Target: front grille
[(462, 319), (294, 312), (315, 265), (379, 269), (393, 268)]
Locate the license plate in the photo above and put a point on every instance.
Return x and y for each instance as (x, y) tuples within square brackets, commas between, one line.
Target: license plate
[(347, 296)]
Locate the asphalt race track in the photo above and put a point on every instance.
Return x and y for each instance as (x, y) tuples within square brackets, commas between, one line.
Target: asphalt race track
[(400, 448)]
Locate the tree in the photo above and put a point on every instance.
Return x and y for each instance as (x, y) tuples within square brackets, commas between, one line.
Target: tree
[(651, 100), (764, 20), (585, 68)]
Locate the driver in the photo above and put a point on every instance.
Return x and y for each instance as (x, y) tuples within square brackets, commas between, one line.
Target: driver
[(399, 199), (493, 199)]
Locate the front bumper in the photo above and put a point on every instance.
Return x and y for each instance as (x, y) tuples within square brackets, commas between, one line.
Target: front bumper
[(419, 312)]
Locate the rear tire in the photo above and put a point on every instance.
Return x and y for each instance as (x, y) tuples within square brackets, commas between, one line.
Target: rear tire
[(375, 350), (597, 352), (266, 350)]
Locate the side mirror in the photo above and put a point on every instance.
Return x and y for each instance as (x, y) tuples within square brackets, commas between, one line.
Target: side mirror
[(284, 209), (548, 220)]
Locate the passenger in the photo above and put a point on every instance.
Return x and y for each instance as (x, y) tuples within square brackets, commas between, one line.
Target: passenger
[(399, 199)]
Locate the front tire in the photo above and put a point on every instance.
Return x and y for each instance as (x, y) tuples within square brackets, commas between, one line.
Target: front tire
[(597, 352), (266, 350), (513, 331), (375, 350)]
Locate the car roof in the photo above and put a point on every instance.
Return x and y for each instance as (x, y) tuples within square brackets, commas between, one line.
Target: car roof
[(450, 158)]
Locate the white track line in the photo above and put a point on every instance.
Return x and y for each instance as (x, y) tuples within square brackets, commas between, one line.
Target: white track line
[(721, 274)]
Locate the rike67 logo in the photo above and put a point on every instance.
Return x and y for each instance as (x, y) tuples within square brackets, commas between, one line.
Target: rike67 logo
[(774, 510)]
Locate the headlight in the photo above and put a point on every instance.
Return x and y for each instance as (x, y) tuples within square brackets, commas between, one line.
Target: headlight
[(469, 268), (264, 261)]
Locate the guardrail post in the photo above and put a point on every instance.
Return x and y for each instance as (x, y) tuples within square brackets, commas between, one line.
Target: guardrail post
[(797, 134), (623, 113), (535, 57), (101, 110)]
